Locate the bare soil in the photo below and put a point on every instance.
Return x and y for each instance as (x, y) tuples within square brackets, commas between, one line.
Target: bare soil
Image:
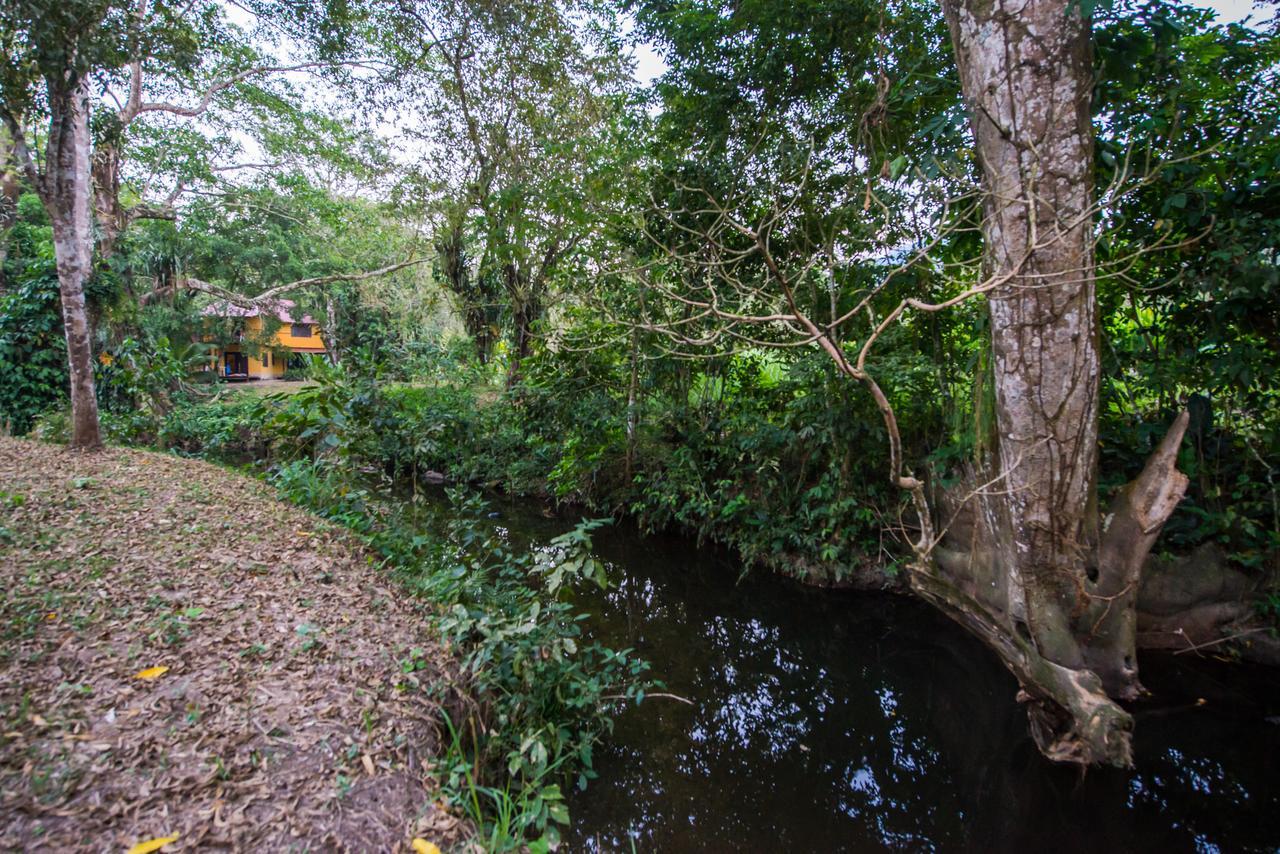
[(300, 705)]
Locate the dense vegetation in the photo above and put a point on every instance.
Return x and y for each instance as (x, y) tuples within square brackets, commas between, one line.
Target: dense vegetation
[(568, 304)]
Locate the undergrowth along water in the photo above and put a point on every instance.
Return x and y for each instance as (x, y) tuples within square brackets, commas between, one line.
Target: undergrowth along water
[(537, 697)]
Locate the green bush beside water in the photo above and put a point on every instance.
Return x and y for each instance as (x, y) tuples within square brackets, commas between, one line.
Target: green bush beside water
[(536, 697)]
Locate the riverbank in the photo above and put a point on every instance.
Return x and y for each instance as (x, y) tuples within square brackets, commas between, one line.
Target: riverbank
[(1197, 596), (184, 654)]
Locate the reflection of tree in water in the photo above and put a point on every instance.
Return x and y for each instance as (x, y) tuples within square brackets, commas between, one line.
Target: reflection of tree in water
[(787, 739), (825, 722), (829, 722)]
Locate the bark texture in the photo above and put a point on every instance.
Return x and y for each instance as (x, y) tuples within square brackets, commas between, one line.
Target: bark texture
[(1027, 563), (9, 191), (525, 299), (478, 304), (68, 195), (1026, 74), (331, 331)]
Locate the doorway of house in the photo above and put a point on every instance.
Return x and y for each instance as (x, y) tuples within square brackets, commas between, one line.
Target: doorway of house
[(235, 365)]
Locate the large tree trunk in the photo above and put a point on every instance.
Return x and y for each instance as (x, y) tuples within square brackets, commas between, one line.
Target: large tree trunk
[(68, 198), (526, 310), (1029, 568), (476, 301)]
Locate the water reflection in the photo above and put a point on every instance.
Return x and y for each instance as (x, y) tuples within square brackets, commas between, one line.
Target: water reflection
[(824, 722)]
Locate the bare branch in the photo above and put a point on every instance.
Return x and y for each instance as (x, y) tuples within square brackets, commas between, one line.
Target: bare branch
[(271, 294), (213, 91)]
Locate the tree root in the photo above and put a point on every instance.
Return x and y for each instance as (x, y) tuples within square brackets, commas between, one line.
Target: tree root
[(1080, 724), (1072, 718)]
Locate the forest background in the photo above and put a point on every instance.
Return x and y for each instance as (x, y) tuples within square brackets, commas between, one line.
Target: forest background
[(538, 275)]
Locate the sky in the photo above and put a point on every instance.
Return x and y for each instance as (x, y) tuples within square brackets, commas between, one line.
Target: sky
[(649, 63), (1230, 11)]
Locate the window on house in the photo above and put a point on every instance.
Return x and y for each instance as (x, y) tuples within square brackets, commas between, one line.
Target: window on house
[(266, 359), (301, 330)]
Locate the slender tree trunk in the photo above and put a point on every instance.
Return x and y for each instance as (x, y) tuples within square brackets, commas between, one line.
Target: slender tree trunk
[(105, 170), (1032, 573), (633, 402), (9, 191), (331, 330), (68, 190)]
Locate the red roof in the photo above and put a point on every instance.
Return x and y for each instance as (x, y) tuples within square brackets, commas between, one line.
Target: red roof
[(280, 308)]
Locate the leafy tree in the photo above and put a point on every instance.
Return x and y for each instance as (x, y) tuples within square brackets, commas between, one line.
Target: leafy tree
[(761, 242), (513, 102), (61, 60)]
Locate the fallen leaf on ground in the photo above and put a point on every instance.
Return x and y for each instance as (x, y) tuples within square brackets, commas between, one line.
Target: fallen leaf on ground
[(422, 846), (153, 844), (151, 672), (157, 567)]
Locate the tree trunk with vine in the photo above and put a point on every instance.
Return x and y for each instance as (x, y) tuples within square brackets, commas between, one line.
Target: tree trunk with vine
[(1028, 564), (9, 191)]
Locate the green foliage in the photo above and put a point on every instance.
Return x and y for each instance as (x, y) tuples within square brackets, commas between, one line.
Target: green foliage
[(1192, 321), (140, 383), (227, 428), (33, 367), (543, 694), (760, 462)]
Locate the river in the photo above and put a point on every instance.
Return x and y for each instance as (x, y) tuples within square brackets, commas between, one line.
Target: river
[(828, 721)]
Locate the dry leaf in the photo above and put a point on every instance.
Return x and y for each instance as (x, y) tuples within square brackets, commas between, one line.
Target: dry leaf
[(422, 846), (151, 672), (367, 761), (154, 844)]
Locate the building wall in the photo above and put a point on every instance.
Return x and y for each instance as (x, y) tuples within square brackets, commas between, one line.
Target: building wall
[(283, 342), (279, 363), (284, 337)]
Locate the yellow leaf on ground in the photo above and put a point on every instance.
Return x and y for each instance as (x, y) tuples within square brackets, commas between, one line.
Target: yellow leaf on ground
[(151, 673), (152, 844), (422, 846)]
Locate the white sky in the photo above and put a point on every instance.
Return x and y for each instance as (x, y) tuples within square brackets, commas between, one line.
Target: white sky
[(1230, 11)]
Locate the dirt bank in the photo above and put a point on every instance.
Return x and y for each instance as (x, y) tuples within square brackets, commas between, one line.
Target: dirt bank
[(298, 707)]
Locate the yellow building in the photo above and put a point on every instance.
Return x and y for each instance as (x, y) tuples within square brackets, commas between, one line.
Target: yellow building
[(255, 358)]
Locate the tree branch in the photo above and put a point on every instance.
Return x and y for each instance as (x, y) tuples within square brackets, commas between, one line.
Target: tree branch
[(271, 294), (20, 150), (209, 94)]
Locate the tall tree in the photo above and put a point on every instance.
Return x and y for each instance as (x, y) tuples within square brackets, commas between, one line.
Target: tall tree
[(1067, 584), (1019, 553), (62, 60), (10, 190), (512, 101)]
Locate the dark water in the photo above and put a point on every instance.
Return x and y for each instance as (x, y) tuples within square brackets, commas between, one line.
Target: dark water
[(854, 722)]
